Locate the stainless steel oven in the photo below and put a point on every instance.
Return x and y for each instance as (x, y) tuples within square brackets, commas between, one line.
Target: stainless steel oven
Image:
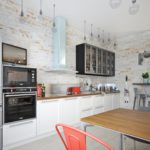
[(19, 104)]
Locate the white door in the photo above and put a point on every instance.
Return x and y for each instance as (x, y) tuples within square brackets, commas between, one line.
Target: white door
[(47, 116), (69, 111)]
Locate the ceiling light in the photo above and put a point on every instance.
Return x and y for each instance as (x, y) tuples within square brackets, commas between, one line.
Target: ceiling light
[(134, 8), (115, 3)]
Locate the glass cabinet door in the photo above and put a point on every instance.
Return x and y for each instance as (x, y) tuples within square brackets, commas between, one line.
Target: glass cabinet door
[(103, 62), (99, 61), (87, 58), (108, 57), (112, 64), (93, 63), (90, 59)]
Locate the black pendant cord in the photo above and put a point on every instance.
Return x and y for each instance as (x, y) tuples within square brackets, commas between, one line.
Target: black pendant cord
[(41, 12), (91, 30), (84, 30), (54, 16), (22, 13)]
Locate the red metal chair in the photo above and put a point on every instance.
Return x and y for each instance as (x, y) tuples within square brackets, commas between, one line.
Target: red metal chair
[(75, 139)]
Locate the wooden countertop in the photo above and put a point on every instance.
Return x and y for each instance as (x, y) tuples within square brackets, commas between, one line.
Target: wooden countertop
[(59, 96), (148, 84), (129, 122)]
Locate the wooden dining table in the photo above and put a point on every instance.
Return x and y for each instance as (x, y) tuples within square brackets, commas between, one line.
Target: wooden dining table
[(131, 123)]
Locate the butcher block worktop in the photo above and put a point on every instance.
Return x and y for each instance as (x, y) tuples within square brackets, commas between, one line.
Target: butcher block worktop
[(59, 96), (56, 96)]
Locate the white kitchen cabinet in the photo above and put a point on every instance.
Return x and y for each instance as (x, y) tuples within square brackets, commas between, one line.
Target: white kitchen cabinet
[(69, 111), (108, 102), (98, 104), (116, 100), (47, 116), (86, 106), (19, 131)]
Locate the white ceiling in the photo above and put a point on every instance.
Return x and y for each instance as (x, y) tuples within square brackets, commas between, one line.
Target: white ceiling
[(97, 12)]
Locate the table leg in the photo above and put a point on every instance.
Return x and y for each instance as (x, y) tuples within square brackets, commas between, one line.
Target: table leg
[(85, 125), (122, 142)]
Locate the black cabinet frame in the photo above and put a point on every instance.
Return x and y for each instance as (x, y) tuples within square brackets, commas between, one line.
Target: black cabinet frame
[(92, 60)]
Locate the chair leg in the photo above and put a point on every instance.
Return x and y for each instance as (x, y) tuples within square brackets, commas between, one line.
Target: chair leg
[(134, 102), (140, 102)]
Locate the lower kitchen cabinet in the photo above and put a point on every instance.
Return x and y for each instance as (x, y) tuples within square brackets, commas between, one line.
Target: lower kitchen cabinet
[(98, 104), (47, 116), (69, 111), (108, 102), (85, 106), (116, 100), (18, 132)]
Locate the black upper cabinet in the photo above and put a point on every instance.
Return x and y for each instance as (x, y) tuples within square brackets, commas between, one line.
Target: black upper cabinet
[(92, 60)]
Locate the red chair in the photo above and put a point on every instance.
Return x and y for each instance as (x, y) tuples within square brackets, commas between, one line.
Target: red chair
[(76, 139)]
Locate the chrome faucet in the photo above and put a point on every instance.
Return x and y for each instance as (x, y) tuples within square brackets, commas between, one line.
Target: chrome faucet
[(92, 87)]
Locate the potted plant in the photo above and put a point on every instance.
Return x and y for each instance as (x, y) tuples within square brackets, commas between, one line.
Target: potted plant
[(145, 77)]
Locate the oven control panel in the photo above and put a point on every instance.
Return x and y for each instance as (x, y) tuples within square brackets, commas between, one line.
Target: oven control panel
[(15, 90)]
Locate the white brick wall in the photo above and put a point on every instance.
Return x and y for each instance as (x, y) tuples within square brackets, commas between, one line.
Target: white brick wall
[(36, 35)]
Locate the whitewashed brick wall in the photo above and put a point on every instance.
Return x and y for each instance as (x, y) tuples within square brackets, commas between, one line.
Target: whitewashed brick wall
[(35, 34)]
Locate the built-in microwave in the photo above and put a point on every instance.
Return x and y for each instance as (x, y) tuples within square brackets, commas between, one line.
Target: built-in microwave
[(19, 77)]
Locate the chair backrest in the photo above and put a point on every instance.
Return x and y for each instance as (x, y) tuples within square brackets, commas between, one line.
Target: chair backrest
[(75, 139), (147, 91), (138, 92)]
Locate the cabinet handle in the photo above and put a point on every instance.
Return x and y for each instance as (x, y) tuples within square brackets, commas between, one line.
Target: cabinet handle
[(87, 109), (100, 95), (99, 107), (68, 99), (86, 97), (22, 123), (48, 101)]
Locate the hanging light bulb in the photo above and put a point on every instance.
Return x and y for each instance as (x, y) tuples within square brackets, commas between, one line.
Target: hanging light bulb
[(22, 13), (115, 3), (91, 34), (98, 36), (91, 31), (84, 30), (109, 40), (103, 37), (115, 43), (41, 12), (134, 8)]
